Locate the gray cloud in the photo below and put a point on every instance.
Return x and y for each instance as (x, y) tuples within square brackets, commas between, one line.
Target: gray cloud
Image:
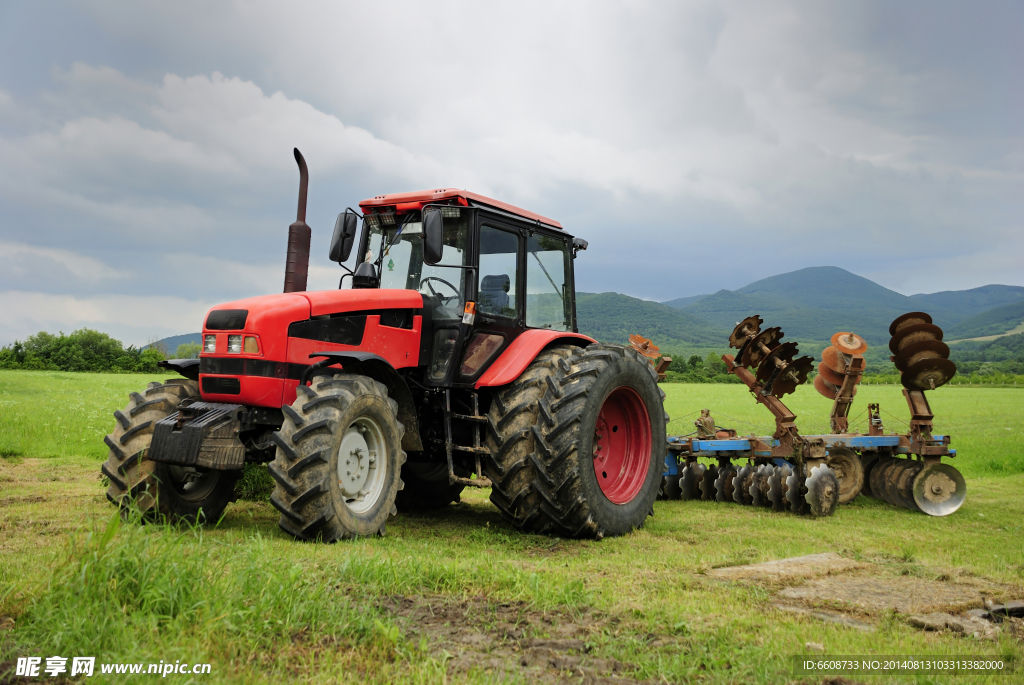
[(696, 146)]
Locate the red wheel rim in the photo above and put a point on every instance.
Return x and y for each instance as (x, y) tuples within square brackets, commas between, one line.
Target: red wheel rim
[(622, 445)]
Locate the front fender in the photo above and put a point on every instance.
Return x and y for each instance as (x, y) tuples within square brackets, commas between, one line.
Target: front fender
[(523, 350)]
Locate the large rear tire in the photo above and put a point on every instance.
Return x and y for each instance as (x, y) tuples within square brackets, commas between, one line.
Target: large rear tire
[(577, 443), (339, 454), (152, 488)]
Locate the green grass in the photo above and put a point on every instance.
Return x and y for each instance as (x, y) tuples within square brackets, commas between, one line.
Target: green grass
[(261, 607)]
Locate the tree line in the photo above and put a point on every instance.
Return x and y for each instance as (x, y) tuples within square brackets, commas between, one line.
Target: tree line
[(85, 350)]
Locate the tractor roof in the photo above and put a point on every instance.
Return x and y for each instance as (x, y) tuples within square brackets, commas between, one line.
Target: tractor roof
[(404, 202)]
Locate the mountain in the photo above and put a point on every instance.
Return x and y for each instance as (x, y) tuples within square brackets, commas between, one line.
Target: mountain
[(995, 321), (611, 317), (681, 302), (967, 303), (171, 344), (811, 304)]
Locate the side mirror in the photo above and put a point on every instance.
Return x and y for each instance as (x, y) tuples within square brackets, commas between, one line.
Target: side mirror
[(433, 235), (344, 236)]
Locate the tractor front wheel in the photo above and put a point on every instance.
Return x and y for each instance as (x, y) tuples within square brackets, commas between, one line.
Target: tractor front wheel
[(339, 454), (577, 443), (153, 488)]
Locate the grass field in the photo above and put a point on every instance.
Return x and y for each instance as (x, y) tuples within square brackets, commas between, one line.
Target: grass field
[(458, 596)]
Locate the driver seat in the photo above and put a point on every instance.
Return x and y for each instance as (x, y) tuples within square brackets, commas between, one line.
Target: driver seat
[(494, 293)]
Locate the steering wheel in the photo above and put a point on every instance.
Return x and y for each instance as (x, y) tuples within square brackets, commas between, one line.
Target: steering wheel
[(444, 300)]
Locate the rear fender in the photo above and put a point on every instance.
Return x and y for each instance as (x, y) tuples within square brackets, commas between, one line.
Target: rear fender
[(523, 350)]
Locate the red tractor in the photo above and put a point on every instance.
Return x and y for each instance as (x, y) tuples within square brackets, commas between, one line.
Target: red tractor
[(452, 361)]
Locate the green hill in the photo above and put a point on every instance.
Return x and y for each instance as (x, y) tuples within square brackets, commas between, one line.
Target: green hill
[(681, 302), (611, 317), (964, 304), (993, 322), (171, 344)]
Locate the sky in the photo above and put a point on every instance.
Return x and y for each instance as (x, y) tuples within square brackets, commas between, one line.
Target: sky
[(146, 171)]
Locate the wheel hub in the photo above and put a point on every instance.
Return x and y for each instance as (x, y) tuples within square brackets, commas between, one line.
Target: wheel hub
[(622, 445), (360, 476)]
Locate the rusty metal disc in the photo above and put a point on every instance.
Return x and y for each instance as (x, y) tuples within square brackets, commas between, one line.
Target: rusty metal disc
[(784, 353), (794, 487), (741, 485), (753, 354), (909, 335), (759, 486), (776, 493), (831, 376), (879, 478), (793, 377), (823, 488), (723, 484), (707, 483), (908, 319), (905, 484), (644, 346), (849, 343), (689, 481), (875, 477), (939, 489), (926, 349), (868, 461), (928, 374), (744, 329), (833, 359), (824, 388), (848, 470)]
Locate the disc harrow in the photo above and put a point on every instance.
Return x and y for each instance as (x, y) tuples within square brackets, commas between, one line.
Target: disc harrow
[(813, 474)]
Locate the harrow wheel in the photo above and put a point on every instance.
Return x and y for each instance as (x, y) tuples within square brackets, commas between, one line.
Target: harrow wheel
[(153, 488), (577, 443), (822, 496), (939, 489), (339, 454)]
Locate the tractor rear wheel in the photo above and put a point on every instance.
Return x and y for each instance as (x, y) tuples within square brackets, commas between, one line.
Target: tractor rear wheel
[(427, 487), (577, 443), (153, 488), (339, 454)]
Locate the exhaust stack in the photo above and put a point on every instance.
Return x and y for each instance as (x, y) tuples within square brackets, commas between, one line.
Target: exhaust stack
[(296, 267)]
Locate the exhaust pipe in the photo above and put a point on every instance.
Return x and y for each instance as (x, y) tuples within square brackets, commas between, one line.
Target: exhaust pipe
[(296, 267)]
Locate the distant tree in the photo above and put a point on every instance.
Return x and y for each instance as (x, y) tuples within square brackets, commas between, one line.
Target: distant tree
[(81, 350), (188, 351), (695, 362)]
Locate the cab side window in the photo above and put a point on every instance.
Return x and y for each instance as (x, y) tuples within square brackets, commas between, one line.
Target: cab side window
[(499, 251), (547, 266)]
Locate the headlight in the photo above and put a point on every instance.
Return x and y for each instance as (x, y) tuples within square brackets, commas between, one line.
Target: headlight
[(210, 344), (234, 344)]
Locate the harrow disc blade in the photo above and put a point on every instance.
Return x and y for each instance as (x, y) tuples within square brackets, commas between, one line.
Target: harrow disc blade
[(868, 461), (784, 353), (913, 334), (849, 472), (822, 496), (928, 374), (875, 477), (849, 343), (939, 489), (777, 488), (833, 359), (741, 485), (908, 319), (890, 484), (831, 376), (794, 491), (707, 483), (919, 351), (824, 388), (670, 488), (723, 484), (905, 484), (749, 326), (793, 377), (753, 355), (759, 486), (644, 346), (689, 482), (884, 480)]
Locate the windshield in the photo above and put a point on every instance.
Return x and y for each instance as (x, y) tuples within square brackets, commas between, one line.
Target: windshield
[(402, 266)]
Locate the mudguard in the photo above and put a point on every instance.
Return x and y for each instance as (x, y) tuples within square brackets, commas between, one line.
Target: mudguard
[(523, 350)]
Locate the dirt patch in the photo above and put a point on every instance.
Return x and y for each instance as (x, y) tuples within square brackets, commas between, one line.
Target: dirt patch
[(509, 639), (826, 615), (874, 594), (27, 499), (788, 569)]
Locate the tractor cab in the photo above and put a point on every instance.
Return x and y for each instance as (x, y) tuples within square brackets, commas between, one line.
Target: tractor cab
[(487, 272)]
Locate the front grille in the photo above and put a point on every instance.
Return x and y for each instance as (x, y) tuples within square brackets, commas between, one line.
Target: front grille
[(222, 386)]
